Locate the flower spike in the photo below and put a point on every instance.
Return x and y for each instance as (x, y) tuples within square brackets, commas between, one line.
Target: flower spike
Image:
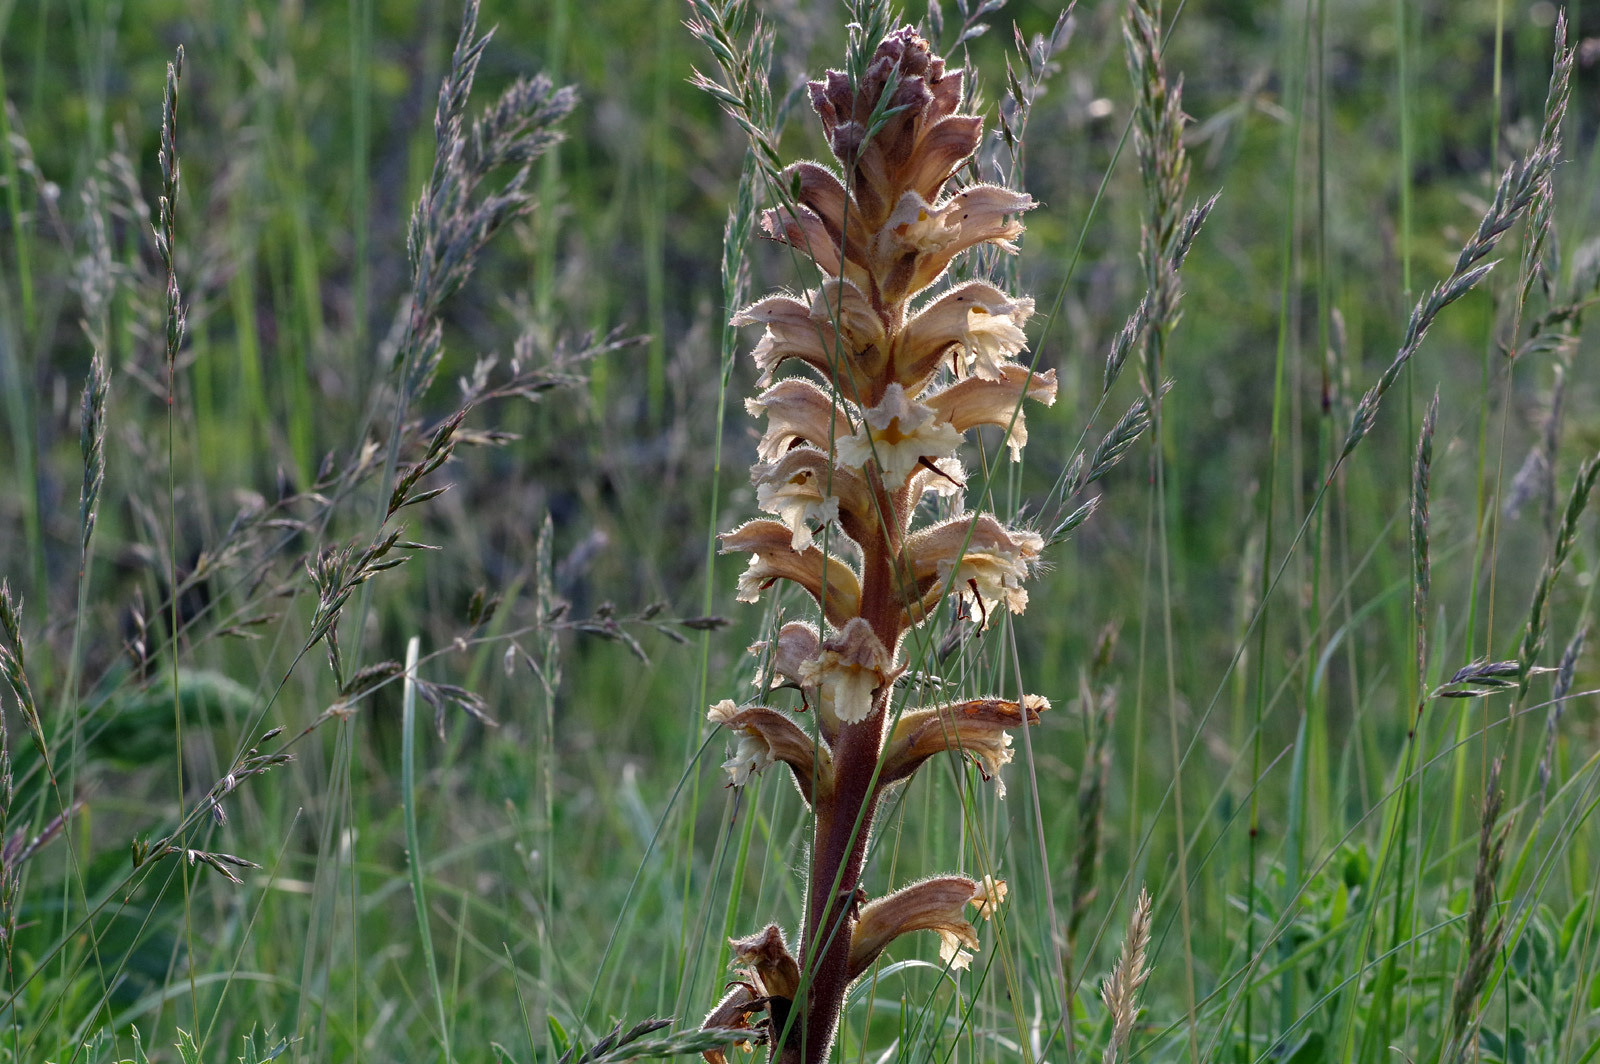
[(868, 419)]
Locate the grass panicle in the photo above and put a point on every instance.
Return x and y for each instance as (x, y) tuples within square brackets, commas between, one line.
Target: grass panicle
[(1121, 989), (1485, 923), (1518, 189), (1533, 635)]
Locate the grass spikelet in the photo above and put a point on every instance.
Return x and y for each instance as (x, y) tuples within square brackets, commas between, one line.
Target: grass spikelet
[(1120, 992), (1166, 233), (92, 444), (1485, 927), (1421, 571), (1533, 635), (1518, 189), (1558, 705), (167, 214)]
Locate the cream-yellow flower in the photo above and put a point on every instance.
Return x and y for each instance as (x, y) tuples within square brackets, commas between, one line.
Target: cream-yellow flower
[(850, 668), (898, 434), (751, 753), (798, 501), (991, 339), (919, 240), (977, 558)]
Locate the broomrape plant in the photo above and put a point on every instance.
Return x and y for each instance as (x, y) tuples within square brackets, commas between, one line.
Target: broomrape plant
[(845, 467)]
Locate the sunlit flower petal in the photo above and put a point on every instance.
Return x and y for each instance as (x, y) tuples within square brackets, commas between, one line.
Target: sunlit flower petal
[(946, 324), (991, 339), (851, 666), (974, 401), (990, 895), (775, 559), (898, 434), (805, 489)]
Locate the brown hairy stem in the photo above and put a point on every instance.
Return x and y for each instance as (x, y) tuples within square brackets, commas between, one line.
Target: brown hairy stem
[(844, 819)]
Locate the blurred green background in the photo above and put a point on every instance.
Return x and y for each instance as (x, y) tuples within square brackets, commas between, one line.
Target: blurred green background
[(1354, 144)]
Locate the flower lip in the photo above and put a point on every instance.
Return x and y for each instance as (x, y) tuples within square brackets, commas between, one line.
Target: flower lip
[(796, 490), (850, 668), (898, 434)]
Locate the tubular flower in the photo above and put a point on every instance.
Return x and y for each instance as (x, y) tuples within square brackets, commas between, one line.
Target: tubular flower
[(796, 644), (975, 729), (938, 904), (897, 436), (847, 672), (804, 489), (765, 736), (883, 379), (768, 959), (991, 339), (770, 978), (974, 401), (977, 558), (797, 411), (920, 240), (837, 330), (798, 501), (773, 558), (946, 324), (750, 756), (733, 1012)]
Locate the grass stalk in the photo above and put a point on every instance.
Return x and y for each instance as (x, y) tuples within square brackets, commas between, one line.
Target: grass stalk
[(414, 861)]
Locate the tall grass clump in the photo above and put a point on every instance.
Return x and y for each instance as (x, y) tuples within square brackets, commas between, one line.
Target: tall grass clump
[(90, 679)]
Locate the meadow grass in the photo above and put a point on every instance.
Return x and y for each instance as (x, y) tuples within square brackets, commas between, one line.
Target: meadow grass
[(1314, 618)]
